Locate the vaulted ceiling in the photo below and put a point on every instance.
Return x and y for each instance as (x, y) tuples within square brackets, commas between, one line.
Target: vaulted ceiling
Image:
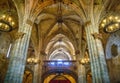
[(60, 25)]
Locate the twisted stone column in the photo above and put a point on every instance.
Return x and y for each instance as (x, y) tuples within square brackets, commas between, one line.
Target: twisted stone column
[(18, 55)]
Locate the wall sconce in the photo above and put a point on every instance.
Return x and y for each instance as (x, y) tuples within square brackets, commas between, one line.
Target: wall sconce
[(85, 61), (32, 61), (110, 24)]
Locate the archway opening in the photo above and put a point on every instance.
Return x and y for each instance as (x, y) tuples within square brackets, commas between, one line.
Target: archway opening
[(60, 79), (60, 48)]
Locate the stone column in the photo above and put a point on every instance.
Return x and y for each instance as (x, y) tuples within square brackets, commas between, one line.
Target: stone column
[(18, 55), (81, 74), (97, 58), (36, 67), (94, 61), (35, 75), (40, 72), (103, 65)]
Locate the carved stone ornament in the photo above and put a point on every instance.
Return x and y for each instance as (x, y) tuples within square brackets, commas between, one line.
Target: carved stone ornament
[(97, 35), (19, 35), (87, 23), (29, 22)]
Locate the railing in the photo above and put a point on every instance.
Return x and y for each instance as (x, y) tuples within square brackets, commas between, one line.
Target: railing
[(59, 65)]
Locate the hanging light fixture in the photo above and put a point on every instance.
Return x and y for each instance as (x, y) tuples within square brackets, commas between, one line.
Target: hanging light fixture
[(7, 22), (59, 16), (86, 59), (110, 24)]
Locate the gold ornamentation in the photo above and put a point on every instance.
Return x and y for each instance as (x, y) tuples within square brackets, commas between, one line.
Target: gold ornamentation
[(110, 24)]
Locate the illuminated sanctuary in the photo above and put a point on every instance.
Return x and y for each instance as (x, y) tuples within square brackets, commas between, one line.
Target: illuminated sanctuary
[(59, 41)]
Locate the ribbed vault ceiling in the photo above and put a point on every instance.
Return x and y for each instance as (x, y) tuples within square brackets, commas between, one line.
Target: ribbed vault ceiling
[(74, 14), (59, 29)]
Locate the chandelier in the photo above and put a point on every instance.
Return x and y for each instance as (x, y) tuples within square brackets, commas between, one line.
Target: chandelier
[(7, 22), (110, 23)]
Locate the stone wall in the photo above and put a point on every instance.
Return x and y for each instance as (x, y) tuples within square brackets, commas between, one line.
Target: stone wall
[(113, 57), (3, 67), (4, 45)]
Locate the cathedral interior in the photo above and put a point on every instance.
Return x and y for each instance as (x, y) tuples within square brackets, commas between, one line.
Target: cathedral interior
[(59, 41)]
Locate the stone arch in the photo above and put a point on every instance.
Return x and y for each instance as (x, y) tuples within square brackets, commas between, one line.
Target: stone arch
[(64, 71), (65, 47), (62, 55), (114, 61), (72, 5), (58, 76), (114, 39)]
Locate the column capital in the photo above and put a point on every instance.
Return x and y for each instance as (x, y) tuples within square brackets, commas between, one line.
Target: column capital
[(19, 35), (97, 35), (29, 22), (87, 23)]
